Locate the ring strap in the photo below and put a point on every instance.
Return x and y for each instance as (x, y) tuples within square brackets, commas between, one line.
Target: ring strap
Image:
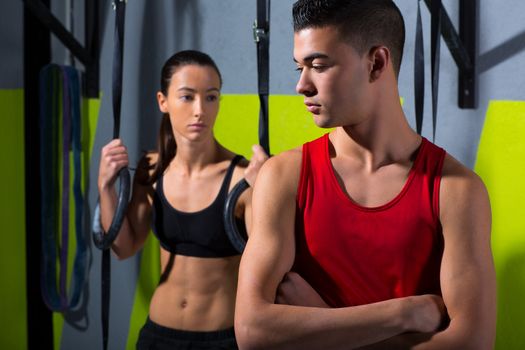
[(261, 32), (419, 72), (101, 239), (435, 24)]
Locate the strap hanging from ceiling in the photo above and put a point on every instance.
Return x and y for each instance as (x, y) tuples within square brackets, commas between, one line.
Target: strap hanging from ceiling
[(419, 72), (101, 239), (261, 35), (435, 24)]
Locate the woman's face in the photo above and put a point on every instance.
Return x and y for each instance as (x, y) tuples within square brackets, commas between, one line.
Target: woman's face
[(192, 102)]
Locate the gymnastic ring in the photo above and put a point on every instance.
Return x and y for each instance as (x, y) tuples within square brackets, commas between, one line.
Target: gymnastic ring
[(237, 239), (101, 239)]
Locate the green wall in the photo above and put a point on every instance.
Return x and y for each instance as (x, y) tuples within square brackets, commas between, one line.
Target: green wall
[(13, 307), (501, 165)]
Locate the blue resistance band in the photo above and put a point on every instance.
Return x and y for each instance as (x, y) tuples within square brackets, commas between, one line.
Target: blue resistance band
[(56, 82)]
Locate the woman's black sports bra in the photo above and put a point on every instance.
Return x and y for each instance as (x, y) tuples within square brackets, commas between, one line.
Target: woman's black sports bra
[(199, 234)]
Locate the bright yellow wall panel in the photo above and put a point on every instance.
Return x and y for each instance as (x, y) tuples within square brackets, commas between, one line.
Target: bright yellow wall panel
[(501, 164)]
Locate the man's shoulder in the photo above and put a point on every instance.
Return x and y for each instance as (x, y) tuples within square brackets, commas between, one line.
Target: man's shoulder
[(456, 173), (460, 186), (294, 156), (282, 170), (289, 157)]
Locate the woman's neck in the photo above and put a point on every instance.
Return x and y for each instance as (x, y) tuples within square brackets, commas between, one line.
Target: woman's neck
[(195, 156)]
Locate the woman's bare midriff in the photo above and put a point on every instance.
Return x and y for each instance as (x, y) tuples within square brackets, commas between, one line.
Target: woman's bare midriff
[(198, 294)]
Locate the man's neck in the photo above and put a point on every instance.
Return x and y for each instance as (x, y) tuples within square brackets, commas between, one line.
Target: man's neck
[(382, 139)]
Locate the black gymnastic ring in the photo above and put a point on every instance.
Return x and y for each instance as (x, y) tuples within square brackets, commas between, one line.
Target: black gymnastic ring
[(236, 238), (101, 239)]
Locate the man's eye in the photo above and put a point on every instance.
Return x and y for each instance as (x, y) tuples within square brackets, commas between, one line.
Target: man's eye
[(319, 68)]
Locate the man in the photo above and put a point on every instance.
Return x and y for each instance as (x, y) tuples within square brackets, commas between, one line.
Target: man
[(373, 220)]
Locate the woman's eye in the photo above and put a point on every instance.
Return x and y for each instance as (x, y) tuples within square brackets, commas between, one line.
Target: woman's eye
[(212, 98), (186, 97), (319, 68), (299, 69)]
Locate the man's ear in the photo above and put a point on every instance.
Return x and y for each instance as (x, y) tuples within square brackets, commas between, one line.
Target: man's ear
[(380, 60), (163, 102)]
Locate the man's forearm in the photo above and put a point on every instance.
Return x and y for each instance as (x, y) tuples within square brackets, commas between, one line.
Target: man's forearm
[(268, 325), (401, 342), (455, 336)]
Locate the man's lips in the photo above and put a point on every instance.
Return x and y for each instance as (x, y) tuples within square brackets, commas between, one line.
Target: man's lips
[(312, 107)]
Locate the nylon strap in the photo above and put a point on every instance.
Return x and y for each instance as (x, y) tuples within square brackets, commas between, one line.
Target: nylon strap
[(435, 24), (106, 289), (120, 11), (419, 72), (261, 33)]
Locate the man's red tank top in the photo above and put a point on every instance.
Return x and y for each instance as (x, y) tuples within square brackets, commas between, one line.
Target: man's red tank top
[(355, 255)]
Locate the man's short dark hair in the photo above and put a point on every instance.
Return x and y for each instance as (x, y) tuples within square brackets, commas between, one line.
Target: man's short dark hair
[(363, 23)]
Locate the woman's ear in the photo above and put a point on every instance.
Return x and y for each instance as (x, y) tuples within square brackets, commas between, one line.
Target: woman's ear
[(380, 59), (163, 102)]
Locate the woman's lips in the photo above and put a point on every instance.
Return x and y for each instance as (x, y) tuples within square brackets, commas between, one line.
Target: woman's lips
[(197, 126)]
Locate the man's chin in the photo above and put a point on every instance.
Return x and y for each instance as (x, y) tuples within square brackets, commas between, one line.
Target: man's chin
[(323, 122)]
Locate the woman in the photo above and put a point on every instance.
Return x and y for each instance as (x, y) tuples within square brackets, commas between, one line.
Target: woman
[(180, 191)]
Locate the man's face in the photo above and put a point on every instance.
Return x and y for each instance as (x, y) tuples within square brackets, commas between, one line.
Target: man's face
[(334, 77)]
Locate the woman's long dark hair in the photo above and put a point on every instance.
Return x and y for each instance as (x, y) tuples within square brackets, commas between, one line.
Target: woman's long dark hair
[(166, 146)]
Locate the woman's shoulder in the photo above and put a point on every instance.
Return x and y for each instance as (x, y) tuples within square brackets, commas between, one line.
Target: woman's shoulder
[(226, 157)]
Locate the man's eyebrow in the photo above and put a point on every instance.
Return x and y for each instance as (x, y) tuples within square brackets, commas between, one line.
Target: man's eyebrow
[(312, 57)]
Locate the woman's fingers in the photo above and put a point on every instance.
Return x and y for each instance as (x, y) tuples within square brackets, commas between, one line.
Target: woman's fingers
[(114, 156), (259, 156)]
